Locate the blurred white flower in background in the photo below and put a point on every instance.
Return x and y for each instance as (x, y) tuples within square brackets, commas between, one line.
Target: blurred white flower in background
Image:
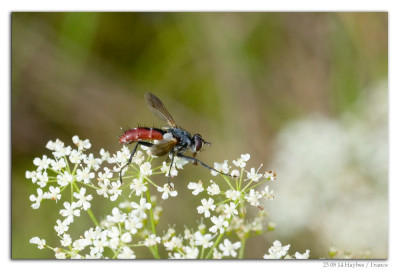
[(334, 177)]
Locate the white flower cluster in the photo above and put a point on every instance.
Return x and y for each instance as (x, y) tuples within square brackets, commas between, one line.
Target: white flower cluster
[(71, 169), (116, 234), (67, 167), (223, 205), (277, 251), (192, 245), (133, 223), (237, 194)]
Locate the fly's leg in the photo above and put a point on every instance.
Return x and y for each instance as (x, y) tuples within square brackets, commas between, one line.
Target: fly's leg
[(195, 161), (147, 144), (194, 156)]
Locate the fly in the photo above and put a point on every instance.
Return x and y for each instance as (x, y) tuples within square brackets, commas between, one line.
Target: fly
[(175, 144)]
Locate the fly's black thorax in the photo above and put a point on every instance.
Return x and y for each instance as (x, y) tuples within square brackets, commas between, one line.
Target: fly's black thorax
[(183, 137)]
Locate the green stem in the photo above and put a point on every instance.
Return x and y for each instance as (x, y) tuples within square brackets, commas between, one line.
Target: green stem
[(75, 167), (90, 185), (72, 190), (90, 213), (63, 188), (214, 245), (244, 189), (257, 184), (228, 182), (242, 247), (153, 225), (222, 202), (241, 178), (237, 184), (126, 185), (66, 163), (116, 253), (202, 253), (152, 252), (151, 182)]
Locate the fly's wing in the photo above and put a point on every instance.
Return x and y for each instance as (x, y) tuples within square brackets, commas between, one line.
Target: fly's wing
[(163, 147), (158, 108)]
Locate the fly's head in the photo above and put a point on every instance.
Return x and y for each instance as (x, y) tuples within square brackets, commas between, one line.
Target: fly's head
[(197, 143)]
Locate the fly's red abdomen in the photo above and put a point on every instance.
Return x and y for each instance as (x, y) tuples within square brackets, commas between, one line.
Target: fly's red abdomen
[(141, 133)]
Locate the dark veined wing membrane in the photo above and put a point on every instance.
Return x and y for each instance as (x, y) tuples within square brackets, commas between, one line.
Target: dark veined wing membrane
[(163, 147), (158, 108)]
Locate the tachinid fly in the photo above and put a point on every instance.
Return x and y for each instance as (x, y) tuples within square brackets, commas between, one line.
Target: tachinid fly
[(172, 140)]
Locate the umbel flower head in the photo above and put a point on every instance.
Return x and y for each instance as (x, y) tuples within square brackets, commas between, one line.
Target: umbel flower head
[(277, 251), (76, 180)]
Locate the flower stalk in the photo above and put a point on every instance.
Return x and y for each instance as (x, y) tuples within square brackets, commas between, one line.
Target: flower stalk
[(153, 226)]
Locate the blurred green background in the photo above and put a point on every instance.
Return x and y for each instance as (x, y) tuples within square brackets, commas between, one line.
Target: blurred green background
[(239, 79)]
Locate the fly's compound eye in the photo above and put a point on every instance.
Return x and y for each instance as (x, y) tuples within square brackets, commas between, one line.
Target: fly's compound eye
[(198, 143)]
